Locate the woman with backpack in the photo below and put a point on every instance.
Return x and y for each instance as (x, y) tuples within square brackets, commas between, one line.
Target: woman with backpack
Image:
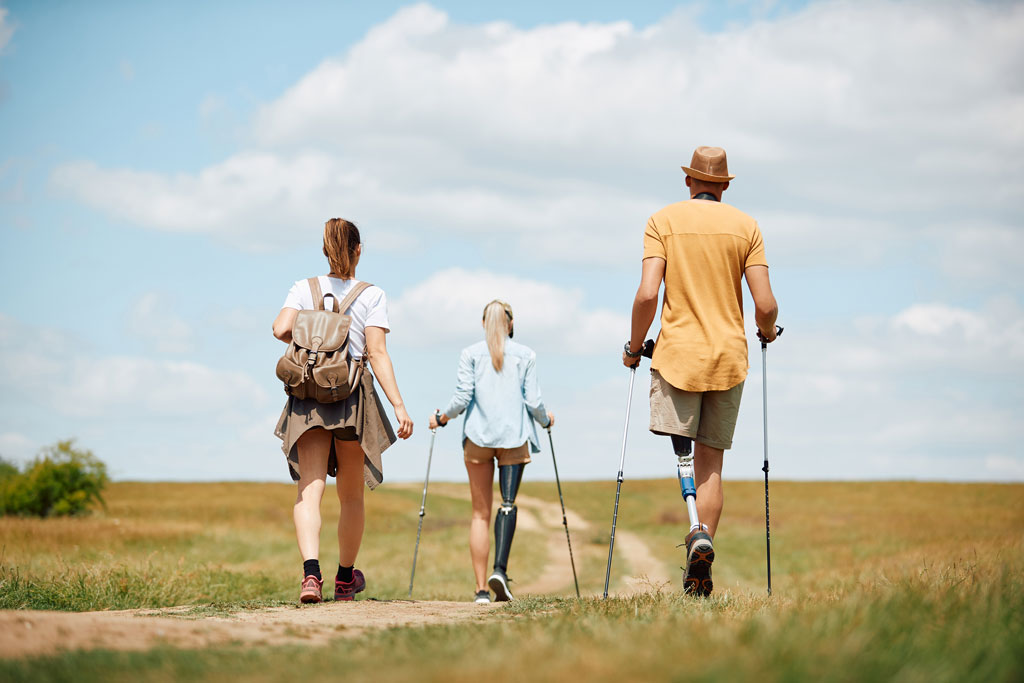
[(342, 438), (497, 387)]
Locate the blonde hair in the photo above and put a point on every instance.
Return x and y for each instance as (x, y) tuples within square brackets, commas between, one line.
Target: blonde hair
[(497, 326), (341, 239)]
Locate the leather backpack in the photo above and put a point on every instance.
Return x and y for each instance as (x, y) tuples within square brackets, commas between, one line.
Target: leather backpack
[(318, 364)]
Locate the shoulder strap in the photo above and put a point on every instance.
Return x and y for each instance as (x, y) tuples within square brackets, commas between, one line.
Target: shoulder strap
[(356, 290), (318, 295)]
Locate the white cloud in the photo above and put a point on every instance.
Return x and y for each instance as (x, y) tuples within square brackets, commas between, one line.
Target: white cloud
[(152, 320), (979, 251), (567, 136), (253, 199), (80, 384), (908, 395), (146, 418), (446, 309)]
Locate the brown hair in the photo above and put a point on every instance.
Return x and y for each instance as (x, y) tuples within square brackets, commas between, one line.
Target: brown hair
[(341, 239)]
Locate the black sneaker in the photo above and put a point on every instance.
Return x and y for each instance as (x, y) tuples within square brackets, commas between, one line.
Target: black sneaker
[(700, 554), (499, 584), (482, 597)]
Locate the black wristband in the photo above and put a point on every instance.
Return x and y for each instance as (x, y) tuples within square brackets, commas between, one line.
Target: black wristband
[(437, 419), (630, 353)]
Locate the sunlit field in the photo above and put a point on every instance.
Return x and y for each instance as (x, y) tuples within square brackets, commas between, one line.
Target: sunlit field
[(871, 581)]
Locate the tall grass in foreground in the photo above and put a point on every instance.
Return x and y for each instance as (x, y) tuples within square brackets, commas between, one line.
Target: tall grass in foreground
[(159, 545), (873, 581), (962, 622)]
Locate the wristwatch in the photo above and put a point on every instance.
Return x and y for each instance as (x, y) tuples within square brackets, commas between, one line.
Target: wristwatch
[(629, 353), (437, 419)]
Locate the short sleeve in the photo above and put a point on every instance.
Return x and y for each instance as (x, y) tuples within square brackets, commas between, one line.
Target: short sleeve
[(654, 247), (755, 254), (294, 298), (377, 309)]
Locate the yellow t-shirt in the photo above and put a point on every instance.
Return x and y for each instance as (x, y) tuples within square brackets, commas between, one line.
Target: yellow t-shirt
[(706, 246)]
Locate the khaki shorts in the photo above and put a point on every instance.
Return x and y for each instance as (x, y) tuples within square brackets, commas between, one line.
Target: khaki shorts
[(707, 416), (506, 456)]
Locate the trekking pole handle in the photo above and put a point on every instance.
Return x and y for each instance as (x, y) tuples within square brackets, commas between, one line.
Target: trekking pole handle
[(648, 350), (764, 344)]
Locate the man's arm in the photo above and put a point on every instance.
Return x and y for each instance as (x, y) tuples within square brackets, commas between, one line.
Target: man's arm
[(645, 305), (766, 309)]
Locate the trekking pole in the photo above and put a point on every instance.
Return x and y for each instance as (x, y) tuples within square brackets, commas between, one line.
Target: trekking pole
[(648, 350), (423, 509), (565, 522), (764, 402)]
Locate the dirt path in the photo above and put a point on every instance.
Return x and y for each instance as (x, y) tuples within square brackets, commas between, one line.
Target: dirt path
[(30, 633), (631, 553)]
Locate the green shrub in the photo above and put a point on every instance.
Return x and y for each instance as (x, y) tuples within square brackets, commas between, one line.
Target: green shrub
[(62, 480), (7, 470)]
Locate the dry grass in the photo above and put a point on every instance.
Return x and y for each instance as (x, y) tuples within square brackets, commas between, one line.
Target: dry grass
[(873, 581)]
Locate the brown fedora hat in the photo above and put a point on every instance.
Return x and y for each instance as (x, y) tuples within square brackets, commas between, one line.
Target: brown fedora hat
[(710, 164)]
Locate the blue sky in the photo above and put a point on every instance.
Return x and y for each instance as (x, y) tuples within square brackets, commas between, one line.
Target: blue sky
[(165, 172)]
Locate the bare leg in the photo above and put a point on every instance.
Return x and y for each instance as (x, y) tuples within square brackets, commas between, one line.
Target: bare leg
[(707, 475), (350, 495), (314, 448), (481, 488)]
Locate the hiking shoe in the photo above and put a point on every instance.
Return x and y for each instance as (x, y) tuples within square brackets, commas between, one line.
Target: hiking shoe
[(311, 590), (482, 597), (347, 590), (700, 554), (499, 584)]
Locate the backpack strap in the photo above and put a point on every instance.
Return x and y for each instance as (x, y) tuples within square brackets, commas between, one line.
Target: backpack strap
[(358, 289), (318, 295)]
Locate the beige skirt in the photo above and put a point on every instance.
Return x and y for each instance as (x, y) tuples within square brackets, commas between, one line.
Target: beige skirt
[(361, 416)]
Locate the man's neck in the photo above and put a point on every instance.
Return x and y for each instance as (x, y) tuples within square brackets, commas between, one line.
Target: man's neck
[(707, 196)]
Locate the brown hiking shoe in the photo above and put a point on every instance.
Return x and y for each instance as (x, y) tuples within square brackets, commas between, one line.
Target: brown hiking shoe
[(311, 590), (700, 554)]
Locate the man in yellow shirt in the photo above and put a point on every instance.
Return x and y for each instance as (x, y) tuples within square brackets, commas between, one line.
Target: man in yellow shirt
[(701, 249)]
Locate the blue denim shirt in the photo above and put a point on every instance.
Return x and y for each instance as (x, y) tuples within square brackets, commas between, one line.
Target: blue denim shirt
[(500, 406)]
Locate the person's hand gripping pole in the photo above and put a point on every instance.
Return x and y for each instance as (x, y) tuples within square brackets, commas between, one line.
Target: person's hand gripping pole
[(647, 351)]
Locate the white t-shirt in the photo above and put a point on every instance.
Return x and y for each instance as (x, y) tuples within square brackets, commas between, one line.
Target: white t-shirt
[(370, 309)]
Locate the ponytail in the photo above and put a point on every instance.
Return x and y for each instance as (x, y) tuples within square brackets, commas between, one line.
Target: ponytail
[(497, 327), (341, 239)]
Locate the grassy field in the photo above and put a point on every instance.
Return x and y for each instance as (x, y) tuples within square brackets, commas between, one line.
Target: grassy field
[(872, 581)]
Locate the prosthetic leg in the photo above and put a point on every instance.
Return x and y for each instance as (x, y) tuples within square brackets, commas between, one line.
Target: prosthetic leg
[(509, 477), (700, 552)]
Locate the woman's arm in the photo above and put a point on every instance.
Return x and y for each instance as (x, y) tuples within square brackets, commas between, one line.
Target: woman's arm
[(531, 395), (380, 361), (284, 323), (464, 385)]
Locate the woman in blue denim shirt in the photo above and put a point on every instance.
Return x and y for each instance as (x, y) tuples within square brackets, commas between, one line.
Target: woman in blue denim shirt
[(497, 387)]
